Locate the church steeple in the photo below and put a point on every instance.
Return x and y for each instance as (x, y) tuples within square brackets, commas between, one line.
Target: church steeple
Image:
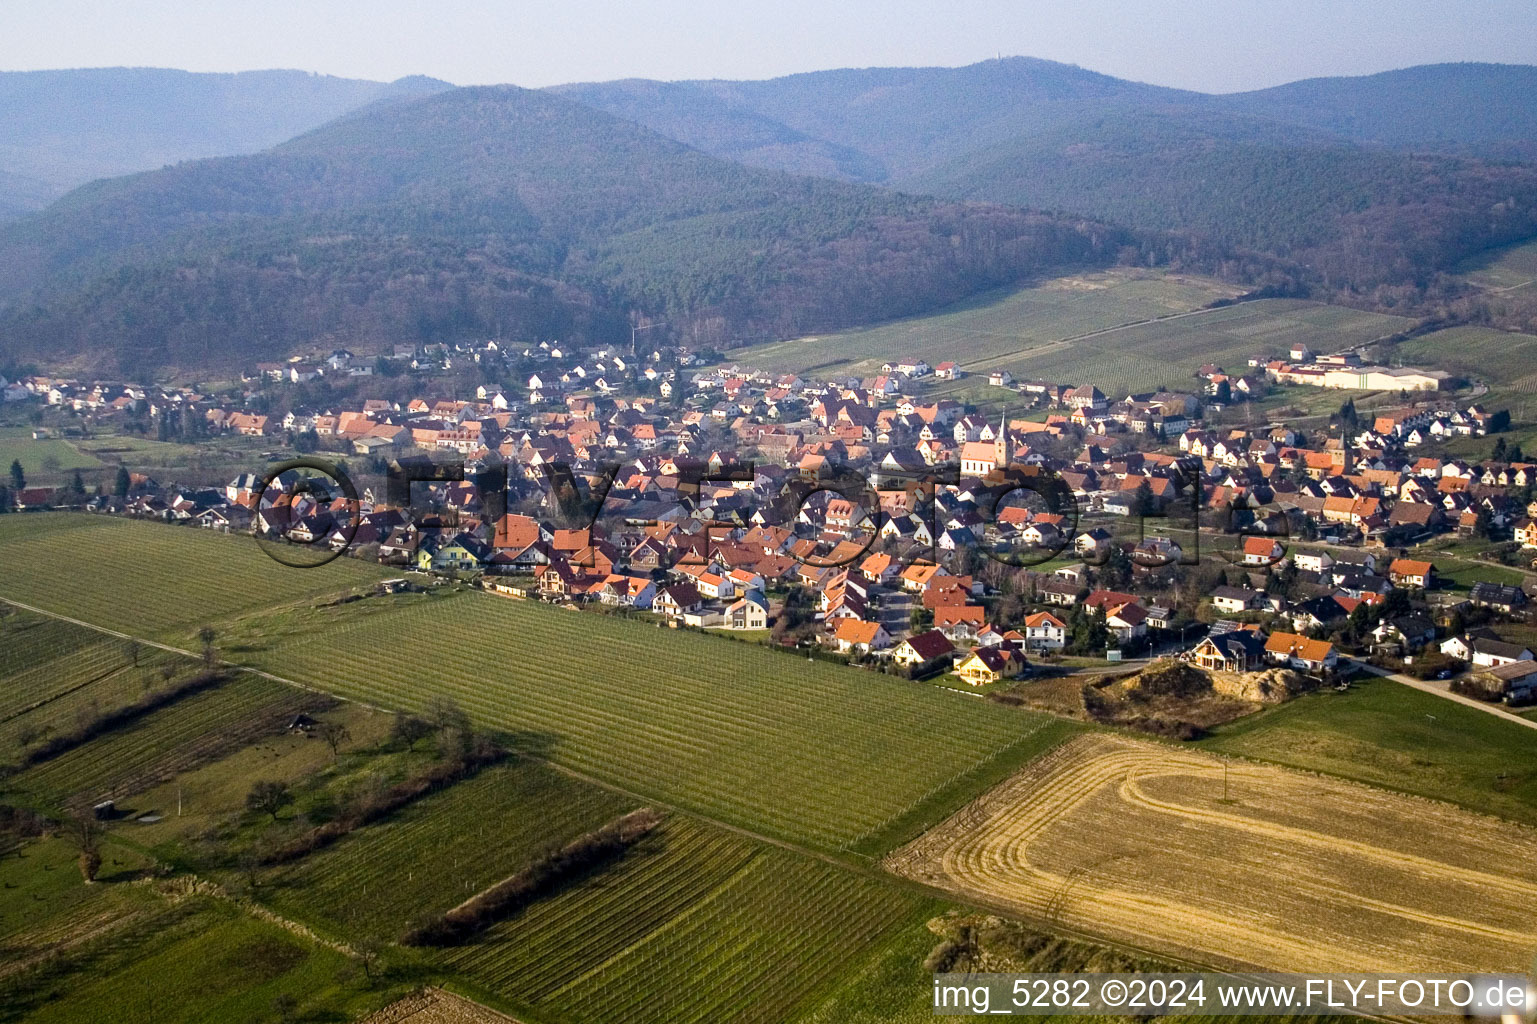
[(1003, 448)]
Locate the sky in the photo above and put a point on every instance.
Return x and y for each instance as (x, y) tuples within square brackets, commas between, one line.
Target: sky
[(1210, 45)]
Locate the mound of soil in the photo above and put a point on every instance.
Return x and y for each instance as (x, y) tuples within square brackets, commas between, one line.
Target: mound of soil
[(1271, 686)]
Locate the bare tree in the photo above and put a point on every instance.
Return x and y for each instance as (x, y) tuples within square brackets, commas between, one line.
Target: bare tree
[(269, 797), (335, 734), (85, 833), (207, 635), (408, 729), (446, 716)]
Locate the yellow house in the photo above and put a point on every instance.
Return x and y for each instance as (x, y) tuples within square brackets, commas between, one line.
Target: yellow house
[(988, 665)]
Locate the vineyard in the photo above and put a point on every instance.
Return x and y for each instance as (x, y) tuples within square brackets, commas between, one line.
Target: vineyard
[(1000, 326), (149, 578), (434, 854), (181, 735), (1245, 864), (695, 924), (808, 751), (1170, 351), (53, 674)]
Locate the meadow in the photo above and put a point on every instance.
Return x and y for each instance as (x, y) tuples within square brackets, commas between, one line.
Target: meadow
[(186, 963), (138, 755), (1508, 269), (45, 462), (1169, 352), (809, 751), (1389, 735), (480, 830)]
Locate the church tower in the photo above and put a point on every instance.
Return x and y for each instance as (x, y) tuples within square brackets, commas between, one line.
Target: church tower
[(1003, 447)]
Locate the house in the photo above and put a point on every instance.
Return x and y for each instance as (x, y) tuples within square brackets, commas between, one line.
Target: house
[(1261, 551), (960, 621), (1526, 532), (1484, 651), (1092, 544), (1409, 572), (461, 553), (918, 576), (748, 612), (676, 600), (1062, 592), (1127, 622), (1238, 650), (1313, 561), (1045, 632), (633, 591), (922, 648), (1232, 600), (990, 665), (1301, 653), (1499, 596), (1516, 682), (859, 636), (1410, 632)]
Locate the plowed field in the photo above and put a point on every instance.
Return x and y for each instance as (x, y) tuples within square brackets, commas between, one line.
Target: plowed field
[(1135, 841)]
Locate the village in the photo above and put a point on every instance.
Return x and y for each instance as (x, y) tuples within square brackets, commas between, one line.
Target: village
[(860, 519)]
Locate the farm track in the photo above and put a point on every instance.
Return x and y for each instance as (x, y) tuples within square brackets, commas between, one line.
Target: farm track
[(1116, 836)]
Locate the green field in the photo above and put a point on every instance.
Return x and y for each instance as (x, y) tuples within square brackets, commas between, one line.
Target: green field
[(805, 750), (151, 748), (998, 326), (1507, 362), (44, 462), (814, 752), (186, 964), (1387, 734), (1169, 352), (151, 578)]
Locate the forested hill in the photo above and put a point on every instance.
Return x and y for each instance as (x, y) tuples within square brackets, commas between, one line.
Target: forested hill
[(1375, 182), (489, 211), (888, 124), (1357, 216), (60, 129)]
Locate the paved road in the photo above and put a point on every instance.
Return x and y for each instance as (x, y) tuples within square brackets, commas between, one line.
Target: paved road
[(1444, 690)]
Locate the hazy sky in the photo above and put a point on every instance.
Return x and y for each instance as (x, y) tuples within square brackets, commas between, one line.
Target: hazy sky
[(1213, 45)]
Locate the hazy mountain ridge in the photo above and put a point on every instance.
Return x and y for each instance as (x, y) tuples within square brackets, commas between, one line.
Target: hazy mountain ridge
[(60, 129), (1342, 174), (1487, 110)]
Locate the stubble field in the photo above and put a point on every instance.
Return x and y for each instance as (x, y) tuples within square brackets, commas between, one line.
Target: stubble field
[(1134, 841)]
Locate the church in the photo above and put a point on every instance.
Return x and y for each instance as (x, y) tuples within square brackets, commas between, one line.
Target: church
[(979, 458)]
